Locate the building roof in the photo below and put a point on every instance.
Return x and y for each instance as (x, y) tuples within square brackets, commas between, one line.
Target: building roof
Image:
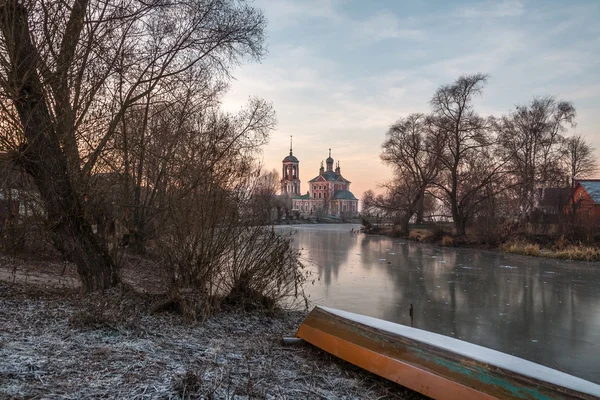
[(592, 187), (344, 195), (330, 176), (290, 158)]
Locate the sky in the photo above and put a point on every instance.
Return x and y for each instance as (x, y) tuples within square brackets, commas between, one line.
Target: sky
[(340, 72)]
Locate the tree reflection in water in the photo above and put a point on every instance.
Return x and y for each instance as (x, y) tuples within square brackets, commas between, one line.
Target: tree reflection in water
[(543, 310)]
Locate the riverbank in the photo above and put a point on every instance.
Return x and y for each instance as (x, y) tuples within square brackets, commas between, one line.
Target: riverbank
[(533, 246), (60, 343), (314, 221)]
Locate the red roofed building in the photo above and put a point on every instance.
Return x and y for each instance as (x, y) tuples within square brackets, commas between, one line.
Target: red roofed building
[(586, 201)]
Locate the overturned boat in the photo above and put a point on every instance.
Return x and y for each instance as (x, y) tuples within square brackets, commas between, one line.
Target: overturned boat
[(438, 366)]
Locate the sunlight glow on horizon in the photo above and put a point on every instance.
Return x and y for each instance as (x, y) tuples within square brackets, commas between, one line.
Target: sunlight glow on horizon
[(340, 72)]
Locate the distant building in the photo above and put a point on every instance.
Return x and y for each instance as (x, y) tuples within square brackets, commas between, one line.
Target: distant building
[(290, 181), (586, 198), (19, 196), (328, 193)]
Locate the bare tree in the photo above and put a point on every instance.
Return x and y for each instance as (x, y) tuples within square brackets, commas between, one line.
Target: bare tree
[(468, 164), (531, 140), (414, 149), (265, 194), (578, 158), (579, 162), (70, 71), (211, 239)]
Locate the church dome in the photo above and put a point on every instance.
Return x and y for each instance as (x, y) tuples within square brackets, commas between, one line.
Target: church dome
[(330, 176), (329, 160), (290, 158), (344, 195)]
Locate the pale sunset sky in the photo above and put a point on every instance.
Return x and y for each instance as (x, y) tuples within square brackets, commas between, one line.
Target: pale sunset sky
[(340, 72)]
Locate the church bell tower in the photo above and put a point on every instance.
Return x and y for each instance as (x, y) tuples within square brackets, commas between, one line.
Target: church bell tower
[(290, 182)]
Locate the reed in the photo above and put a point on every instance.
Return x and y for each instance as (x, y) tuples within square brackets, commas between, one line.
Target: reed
[(563, 252)]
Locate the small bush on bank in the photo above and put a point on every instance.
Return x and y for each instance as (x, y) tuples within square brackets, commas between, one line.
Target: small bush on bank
[(217, 253), (559, 250), (520, 248), (560, 243), (414, 235), (578, 253), (482, 232), (436, 233), (263, 270), (447, 241), (420, 235)]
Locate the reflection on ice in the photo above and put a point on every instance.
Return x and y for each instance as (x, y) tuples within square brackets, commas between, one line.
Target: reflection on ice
[(492, 299)]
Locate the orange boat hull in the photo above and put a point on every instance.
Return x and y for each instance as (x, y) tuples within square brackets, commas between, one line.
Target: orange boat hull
[(432, 371)]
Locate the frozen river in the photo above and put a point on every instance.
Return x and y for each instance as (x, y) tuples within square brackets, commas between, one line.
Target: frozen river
[(543, 310)]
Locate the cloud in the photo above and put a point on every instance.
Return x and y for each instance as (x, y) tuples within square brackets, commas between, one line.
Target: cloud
[(383, 26), (282, 14), (493, 9), (338, 78)]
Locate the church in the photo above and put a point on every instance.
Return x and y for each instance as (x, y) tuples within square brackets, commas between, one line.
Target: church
[(328, 193)]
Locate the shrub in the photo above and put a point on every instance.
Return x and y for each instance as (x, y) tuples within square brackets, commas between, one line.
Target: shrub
[(447, 241), (560, 243), (414, 235), (262, 271), (421, 235), (435, 233), (214, 248), (578, 253), (520, 248), (532, 250)]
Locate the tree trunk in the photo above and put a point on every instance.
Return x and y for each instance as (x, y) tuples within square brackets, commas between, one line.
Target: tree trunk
[(420, 209), (460, 220), (460, 225), (44, 160), (404, 223)]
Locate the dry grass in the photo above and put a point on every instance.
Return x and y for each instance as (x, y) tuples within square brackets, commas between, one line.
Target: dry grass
[(420, 235), (60, 344), (413, 235), (560, 244), (559, 250), (447, 241), (578, 253), (526, 249)]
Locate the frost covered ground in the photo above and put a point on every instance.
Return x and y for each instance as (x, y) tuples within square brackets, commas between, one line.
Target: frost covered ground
[(61, 344)]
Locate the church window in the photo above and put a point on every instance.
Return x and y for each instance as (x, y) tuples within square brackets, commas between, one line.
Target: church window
[(319, 195)]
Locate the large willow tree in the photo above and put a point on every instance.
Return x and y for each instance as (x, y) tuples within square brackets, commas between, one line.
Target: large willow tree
[(71, 70)]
